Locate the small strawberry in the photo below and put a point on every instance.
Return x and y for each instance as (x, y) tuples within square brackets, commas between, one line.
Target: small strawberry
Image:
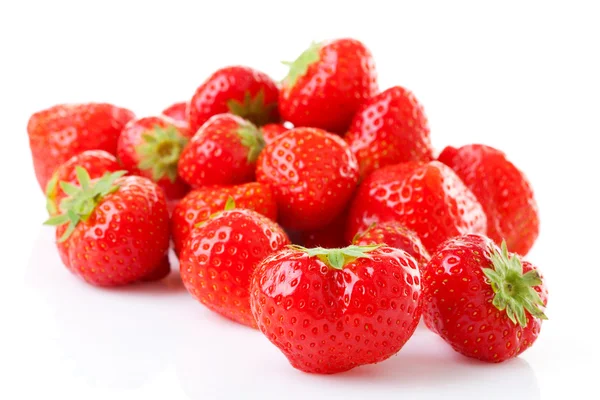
[(329, 237), (177, 111), (199, 204), (396, 235), (389, 128), (332, 310), (115, 230), (220, 255), (272, 131), (238, 90), (427, 198), (503, 191), (312, 174), (327, 83), (222, 152), (484, 301), (150, 147)]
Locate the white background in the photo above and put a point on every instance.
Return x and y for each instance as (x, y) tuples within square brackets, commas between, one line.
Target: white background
[(521, 76)]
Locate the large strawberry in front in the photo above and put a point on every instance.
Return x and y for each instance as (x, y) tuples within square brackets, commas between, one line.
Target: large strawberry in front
[(427, 198), (330, 310), (115, 229), (327, 83), (484, 301), (62, 131)]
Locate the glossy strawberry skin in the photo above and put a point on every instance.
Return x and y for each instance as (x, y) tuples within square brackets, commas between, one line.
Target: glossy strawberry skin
[(219, 257), (132, 136), (326, 320), (332, 89), (199, 204), (177, 111), (394, 234), (234, 83), (125, 239), (272, 131), (312, 174), (457, 303), (62, 131), (387, 129), (427, 198), (503, 191)]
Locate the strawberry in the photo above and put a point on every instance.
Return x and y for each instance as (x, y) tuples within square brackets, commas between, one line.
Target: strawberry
[(394, 234), (503, 191), (327, 83), (272, 131), (238, 90), (199, 204), (219, 256), (222, 152), (115, 230), (60, 132), (329, 237), (177, 111), (312, 174), (389, 128), (427, 198), (150, 147), (331, 310), (484, 301)]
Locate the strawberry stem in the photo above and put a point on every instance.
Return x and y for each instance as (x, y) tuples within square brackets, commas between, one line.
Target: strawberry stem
[(299, 67), (337, 258), (160, 151), (251, 138)]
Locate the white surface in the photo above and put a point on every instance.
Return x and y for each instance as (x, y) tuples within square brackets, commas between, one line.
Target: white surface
[(521, 77)]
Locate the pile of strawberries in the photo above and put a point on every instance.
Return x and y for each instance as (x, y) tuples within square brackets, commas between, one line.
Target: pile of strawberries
[(332, 237)]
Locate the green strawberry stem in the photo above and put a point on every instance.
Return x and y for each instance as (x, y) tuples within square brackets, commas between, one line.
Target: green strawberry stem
[(338, 258), (83, 199), (251, 138), (514, 291), (252, 108), (299, 67), (160, 151)]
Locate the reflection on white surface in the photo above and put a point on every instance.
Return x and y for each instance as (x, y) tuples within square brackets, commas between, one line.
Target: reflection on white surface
[(125, 340)]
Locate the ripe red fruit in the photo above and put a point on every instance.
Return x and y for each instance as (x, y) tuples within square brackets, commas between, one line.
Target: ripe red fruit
[(272, 131), (177, 111), (115, 229), (427, 198), (151, 147), (503, 191), (222, 152), (329, 237), (199, 204), (327, 83), (312, 174), (331, 310), (396, 235), (387, 129), (62, 131), (485, 302), (238, 90), (220, 255)]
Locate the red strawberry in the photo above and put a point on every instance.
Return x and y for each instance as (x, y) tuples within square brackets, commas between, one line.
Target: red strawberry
[(331, 310), (272, 131), (327, 83), (222, 152), (177, 111), (503, 191), (427, 198), (199, 204), (396, 235), (312, 174), (238, 90), (486, 303), (60, 132), (389, 128), (150, 147), (219, 257), (115, 230), (329, 237)]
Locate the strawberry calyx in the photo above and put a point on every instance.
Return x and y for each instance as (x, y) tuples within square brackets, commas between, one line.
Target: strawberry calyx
[(51, 205), (83, 199), (160, 150), (251, 138), (337, 258), (252, 108), (514, 291), (299, 67)]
